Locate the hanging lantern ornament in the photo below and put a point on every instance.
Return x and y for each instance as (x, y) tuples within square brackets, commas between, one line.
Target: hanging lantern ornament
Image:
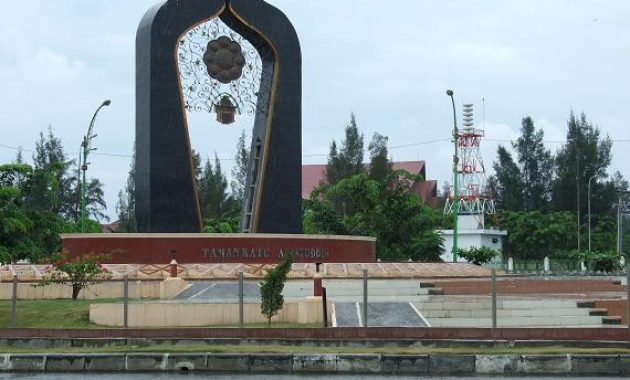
[(225, 109)]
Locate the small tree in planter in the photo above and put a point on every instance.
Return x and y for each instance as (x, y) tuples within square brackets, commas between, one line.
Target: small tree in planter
[(79, 271), (271, 288)]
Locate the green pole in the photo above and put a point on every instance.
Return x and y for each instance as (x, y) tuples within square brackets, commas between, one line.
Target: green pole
[(455, 176), (83, 192), (86, 146)]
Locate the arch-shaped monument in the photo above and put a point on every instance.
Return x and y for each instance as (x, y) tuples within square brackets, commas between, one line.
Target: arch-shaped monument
[(166, 196)]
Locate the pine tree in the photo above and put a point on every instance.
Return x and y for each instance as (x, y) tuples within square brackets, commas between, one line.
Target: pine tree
[(333, 170), (126, 206), (351, 156), (349, 160), (584, 155), (507, 183), (196, 160), (536, 166), (213, 195), (380, 165), (95, 204), (239, 171), (51, 185)]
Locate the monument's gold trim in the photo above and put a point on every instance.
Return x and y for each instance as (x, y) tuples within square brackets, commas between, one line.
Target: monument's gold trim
[(184, 115), (272, 101)]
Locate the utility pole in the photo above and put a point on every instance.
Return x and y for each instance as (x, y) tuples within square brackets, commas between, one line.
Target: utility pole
[(619, 217), (589, 210), (577, 176), (86, 146), (620, 212), (455, 176)]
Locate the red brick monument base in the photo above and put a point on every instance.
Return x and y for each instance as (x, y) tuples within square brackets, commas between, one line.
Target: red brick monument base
[(222, 248)]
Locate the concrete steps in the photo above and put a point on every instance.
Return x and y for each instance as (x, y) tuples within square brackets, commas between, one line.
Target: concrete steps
[(611, 320), (506, 313), (352, 290), (475, 311), (573, 321), (431, 289), (524, 286), (600, 311)]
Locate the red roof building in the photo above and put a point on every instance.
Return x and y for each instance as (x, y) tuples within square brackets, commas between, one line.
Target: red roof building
[(315, 175)]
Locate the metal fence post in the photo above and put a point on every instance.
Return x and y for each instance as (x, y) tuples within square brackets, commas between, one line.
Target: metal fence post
[(126, 301), (365, 298), (241, 318), (14, 300), (494, 298), (324, 307)]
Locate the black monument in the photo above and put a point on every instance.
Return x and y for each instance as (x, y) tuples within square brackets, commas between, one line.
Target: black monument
[(221, 56)]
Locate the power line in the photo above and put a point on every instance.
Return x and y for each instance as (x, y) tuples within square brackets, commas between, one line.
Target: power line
[(428, 142), (392, 147), (548, 141), (70, 153)]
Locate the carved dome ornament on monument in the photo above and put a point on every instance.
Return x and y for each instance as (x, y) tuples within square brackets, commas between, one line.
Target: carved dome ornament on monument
[(214, 61), (224, 60)]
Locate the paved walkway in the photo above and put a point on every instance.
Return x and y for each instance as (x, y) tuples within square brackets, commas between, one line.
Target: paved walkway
[(392, 313), (382, 314), (219, 292)]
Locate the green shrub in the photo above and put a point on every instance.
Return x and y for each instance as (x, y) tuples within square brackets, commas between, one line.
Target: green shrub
[(599, 261), (477, 255)]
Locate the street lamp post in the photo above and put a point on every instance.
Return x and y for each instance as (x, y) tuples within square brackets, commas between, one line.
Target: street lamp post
[(86, 148), (619, 231), (455, 176), (620, 207), (577, 176), (577, 179), (589, 210)]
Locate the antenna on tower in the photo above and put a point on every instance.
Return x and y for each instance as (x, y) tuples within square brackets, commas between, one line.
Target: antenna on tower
[(483, 113), (474, 196)]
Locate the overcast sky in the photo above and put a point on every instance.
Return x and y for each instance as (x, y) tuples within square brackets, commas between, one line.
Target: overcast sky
[(389, 62)]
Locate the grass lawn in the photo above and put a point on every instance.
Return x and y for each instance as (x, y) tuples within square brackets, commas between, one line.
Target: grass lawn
[(60, 314), (56, 314)]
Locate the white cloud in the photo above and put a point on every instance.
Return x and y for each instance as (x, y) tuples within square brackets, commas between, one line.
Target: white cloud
[(60, 59)]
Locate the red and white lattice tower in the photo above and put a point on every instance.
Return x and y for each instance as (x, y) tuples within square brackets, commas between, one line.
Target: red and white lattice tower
[(474, 196)]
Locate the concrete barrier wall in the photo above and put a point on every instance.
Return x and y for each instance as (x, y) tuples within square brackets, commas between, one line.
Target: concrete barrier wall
[(161, 314), (579, 337), (28, 291), (432, 364)]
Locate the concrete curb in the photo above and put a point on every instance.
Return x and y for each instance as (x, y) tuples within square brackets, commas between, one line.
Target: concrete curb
[(433, 364)]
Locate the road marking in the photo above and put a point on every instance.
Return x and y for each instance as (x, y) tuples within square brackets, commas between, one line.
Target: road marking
[(202, 291), (420, 315), (359, 314)]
